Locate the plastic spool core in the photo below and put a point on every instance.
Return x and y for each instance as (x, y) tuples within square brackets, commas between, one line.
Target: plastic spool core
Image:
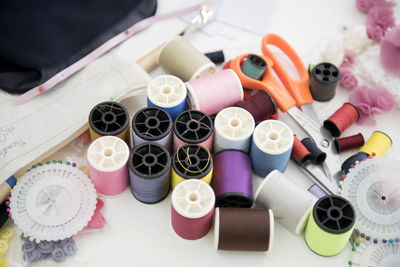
[(234, 123), (193, 126), (152, 123), (108, 118), (326, 72), (273, 137), (196, 161), (166, 91), (149, 160)]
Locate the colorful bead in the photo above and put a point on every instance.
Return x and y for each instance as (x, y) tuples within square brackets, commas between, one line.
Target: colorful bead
[(373, 154), (68, 163), (40, 164), (54, 161), (375, 241), (384, 241), (60, 161), (41, 90), (362, 235), (47, 162), (357, 232), (390, 241), (73, 164), (397, 239), (368, 237)]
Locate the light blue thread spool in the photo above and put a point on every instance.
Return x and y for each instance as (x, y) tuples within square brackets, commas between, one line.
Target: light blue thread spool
[(169, 93), (271, 147)]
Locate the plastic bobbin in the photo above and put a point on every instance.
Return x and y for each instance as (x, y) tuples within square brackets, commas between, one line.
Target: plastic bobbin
[(324, 79), (169, 93), (149, 171), (271, 147), (191, 162), (152, 124), (330, 225), (107, 161), (233, 129), (254, 66), (193, 127), (109, 118), (192, 208)]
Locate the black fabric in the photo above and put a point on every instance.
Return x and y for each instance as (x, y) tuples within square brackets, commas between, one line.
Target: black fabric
[(40, 38)]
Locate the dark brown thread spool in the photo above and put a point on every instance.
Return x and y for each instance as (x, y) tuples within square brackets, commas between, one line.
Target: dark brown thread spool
[(348, 143), (260, 105)]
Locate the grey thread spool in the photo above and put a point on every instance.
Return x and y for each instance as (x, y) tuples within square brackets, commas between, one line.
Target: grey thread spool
[(149, 172), (178, 57), (323, 82), (154, 125)]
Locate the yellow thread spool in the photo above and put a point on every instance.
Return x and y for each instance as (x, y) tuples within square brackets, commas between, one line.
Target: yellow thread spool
[(379, 143), (191, 162), (330, 225)]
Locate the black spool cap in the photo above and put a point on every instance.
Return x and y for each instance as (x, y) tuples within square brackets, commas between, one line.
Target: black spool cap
[(257, 61), (346, 165), (108, 118), (317, 156), (197, 167), (149, 160), (334, 214), (193, 126), (152, 123), (323, 82), (216, 57)]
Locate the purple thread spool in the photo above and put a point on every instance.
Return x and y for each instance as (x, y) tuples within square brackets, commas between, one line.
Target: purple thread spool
[(232, 179), (317, 191)]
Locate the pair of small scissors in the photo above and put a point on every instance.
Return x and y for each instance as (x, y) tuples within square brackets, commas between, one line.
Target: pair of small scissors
[(290, 95)]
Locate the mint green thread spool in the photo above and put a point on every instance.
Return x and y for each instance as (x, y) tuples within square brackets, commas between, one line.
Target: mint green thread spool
[(330, 225), (254, 67)]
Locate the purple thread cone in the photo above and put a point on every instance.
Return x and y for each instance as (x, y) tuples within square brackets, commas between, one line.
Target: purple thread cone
[(232, 179)]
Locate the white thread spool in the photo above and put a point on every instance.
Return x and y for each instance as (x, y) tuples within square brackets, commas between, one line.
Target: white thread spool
[(290, 203), (233, 129)]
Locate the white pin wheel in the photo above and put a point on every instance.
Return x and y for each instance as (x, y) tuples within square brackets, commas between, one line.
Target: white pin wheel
[(373, 188), (166, 91), (53, 202), (193, 198), (367, 254)]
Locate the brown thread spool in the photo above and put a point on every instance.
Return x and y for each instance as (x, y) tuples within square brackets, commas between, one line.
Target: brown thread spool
[(348, 143), (243, 229), (300, 153), (339, 121), (260, 105)]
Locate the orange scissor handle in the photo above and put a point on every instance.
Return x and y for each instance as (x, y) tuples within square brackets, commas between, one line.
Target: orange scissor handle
[(299, 89), (268, 83)]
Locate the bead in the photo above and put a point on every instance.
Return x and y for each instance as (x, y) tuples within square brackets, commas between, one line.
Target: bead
[(397, 239), (343, 176), (375, 241), (373, 154), (357, 232), (368, 237), (60, 161), (73, 164), (384, 241), (353, 249), (54, 161), (68, 163), (47, 162), (390, 241), (362, 235), (41, 89)]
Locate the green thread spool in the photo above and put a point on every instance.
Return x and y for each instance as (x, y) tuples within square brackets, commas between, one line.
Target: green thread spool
[(330, 225), (254, 67)]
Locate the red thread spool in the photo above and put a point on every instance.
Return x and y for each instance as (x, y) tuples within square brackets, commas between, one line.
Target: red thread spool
[(300, 153), (260, 105), (350, 142), (342, 119)]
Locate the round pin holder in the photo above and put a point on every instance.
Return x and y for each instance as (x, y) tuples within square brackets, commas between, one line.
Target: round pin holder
[(193, 127), (152, 124), (191, 162), (53, 201), (323, 82), (169, 93), (109, 118), (233, 129), (330, 225), (149, 167), (373, 187)]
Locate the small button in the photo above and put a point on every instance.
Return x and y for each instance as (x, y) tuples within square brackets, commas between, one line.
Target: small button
[(6, 233), (31, 256), (3, 247), (58, 254), (3, 262), (45, 246), (28, 247)]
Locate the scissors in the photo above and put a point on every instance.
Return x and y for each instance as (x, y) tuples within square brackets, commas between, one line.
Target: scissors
[(290, 95)]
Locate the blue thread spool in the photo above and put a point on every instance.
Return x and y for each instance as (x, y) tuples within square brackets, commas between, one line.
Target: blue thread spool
[(169, 93), (271, 147)]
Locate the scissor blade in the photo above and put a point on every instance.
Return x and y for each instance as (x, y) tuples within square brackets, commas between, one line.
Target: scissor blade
[(309, 110), (318, 177)]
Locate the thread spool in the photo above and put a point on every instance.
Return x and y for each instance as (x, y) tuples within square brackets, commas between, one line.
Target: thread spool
[(109, 118), (349, 142), (107, 158), (243, 229), (149, 172), (317, 156), (300, 154), (271, 147), (169, 93), (214, 92), (378, 143), (192, 209), (178, 57), (191, 162), (339, 121), (254, 66), (323, 82), (330, 225), (233, 129), (317, 191), (232, 179), (291, 204), (260, 105), (154, 125), (216, 57), (193, 127), (351, 161)]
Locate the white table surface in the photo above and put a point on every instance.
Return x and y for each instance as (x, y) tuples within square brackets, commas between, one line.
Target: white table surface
[(141, 235)]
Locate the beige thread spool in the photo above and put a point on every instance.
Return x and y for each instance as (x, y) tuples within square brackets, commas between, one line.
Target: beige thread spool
[(178, 57)]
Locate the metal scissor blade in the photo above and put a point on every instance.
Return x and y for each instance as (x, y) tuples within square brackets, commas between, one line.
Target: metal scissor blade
[(318, 177)]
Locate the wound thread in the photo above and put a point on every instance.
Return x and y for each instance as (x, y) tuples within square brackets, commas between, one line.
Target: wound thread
[(339, 121), (260, 106), (317, 156), (300, 153), (378, 143), (349, 142)]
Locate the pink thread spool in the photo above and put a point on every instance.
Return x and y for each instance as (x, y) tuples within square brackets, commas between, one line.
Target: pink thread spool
[(214, 92), (107, 158), (192, 209)]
